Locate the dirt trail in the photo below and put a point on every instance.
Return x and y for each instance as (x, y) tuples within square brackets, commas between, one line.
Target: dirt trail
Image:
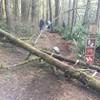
[(30, 82), (49, 40)]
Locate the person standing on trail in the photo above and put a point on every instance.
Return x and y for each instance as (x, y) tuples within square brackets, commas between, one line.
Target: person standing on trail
[(49, 24), (41, 25), (63, 24)]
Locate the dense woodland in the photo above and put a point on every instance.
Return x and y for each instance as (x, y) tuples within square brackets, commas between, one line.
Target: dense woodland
[(23, 16), (17, 13)]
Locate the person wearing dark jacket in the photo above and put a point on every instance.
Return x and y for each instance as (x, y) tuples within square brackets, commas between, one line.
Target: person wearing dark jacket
[(41, 24)]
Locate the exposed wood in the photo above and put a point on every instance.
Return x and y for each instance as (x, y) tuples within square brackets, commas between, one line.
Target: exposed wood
[(72, 72)]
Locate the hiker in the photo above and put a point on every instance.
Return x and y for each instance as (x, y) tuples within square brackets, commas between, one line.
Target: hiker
[(63, 24), (41, 25), (49, 25)]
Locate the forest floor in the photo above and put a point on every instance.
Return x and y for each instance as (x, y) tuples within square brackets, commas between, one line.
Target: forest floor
[(32, 82)]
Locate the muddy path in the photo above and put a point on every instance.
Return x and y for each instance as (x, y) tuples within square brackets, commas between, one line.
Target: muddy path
[(32, 82)]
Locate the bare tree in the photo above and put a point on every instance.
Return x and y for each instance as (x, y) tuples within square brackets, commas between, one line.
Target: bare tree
[(16, 10), (47, 10), (33, 10), (50, 11), (24, 10), (69, 14), (0, 9), (98, 14), (74, 14), (57, 9), (8, 15), (86, 15), (43, 12)]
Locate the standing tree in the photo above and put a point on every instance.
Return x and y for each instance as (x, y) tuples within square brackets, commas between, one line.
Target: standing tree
[(47, 10), (33, 10), (98, 14), (16, 13), (74, 14), (8, 11), (86, 15), (50, 11), (0, 9), (24, 10), (57, 9), (69, 14)]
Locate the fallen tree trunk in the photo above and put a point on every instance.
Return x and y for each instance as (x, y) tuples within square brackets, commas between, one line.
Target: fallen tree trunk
[(62, 58), (79, 75)]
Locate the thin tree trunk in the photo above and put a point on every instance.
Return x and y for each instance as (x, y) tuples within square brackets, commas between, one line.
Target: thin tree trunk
[(74, 14), (47, 10), (57, 10), (69, 15), (98, 14), (8, 16), (43, 5), (86, 15), (16, 12), (24, 10), (0, 9), (33, 10), (50, 11)]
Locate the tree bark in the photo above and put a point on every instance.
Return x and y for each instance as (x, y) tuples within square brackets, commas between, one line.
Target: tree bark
[(16, 13), (86, 15), (0, 9), (33, 10), (50, 11), (57, 10), (69, 15), (8, 15), (46, 10), (74, 14), (24, 10), (98, 14), (73, 73)]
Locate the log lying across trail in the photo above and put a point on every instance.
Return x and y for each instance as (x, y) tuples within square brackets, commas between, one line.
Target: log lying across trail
[(62, 58), (87, 80)]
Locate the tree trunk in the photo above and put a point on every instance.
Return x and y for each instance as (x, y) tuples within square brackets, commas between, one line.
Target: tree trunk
[(16, 13), (50, 11), (24, 10), (73, 73), (69, 15), (0, 9), (98, 14), (8, 15), (74, 14), (86, 15), (57, 10), (47, 10), (33, 10), (43, 7)]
